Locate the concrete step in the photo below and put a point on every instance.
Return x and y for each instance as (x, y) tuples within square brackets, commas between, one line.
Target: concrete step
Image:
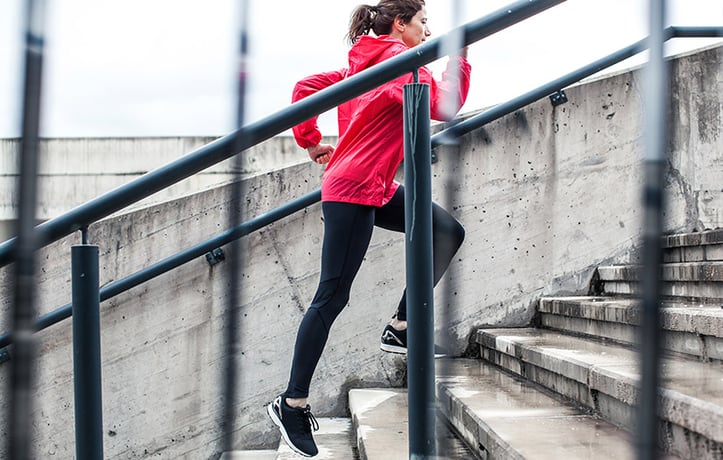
[(381, 424), (693, 281), (249, 455), (507, 417), (693, 330), (604, 377), (693, 247), (335, 440)]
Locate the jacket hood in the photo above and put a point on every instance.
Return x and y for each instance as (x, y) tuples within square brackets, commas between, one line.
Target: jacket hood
[(369, 50)]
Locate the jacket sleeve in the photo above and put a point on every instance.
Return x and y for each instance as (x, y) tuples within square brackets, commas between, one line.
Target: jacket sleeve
[(307, 134), (448, 95)]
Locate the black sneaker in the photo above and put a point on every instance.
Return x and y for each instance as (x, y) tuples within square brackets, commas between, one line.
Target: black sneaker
[(295, 425), (394, 341)]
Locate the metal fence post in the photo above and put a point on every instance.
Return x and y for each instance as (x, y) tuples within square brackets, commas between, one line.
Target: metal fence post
[(420, 278), (656, 112), (22, 368), (86, 353)]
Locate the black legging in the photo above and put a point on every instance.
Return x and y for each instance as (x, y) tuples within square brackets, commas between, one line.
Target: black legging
[(347, 232)]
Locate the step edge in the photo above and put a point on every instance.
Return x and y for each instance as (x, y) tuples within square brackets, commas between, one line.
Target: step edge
[(625, 385)]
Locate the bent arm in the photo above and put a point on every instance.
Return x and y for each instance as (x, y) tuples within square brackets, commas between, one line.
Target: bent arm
[(449, 94), (307, 133)]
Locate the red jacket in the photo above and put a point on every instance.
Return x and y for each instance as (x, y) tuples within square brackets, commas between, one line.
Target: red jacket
[(371, 142)]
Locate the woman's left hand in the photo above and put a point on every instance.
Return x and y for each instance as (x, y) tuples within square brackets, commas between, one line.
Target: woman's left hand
[(321, 153)]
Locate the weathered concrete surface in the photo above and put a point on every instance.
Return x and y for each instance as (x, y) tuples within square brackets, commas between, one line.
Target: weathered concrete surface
[(381, 422), (380, 418), (531, 190), (696, 144), (605, 377), (509, 418), (694, 281), (72, 171), (691, 329), (694, 247)]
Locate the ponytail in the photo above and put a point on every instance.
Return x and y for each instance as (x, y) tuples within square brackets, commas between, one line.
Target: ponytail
[(361, 22), (379, 19)]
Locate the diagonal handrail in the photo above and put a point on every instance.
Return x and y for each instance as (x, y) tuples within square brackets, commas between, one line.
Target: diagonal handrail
[(249, 135), (696, 31), (545, 90), (311, 198), (159, 268)]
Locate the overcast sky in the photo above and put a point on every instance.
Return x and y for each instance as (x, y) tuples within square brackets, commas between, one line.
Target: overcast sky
[(167, 67)]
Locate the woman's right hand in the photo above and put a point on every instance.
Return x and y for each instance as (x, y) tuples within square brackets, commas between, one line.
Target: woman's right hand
[(320, 153)]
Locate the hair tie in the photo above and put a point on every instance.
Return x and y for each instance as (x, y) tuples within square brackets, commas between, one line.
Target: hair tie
[(374, 11)]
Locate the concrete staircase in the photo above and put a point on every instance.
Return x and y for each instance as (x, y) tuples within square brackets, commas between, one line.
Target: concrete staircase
[(570, 385), (377, 430), (567, 388)]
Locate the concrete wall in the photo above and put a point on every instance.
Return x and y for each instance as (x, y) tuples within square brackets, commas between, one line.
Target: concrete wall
[(546, 195), (73, 171), (696, 153)]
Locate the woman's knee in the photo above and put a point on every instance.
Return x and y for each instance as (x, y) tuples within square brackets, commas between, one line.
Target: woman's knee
[(448, 228), (329, 300)]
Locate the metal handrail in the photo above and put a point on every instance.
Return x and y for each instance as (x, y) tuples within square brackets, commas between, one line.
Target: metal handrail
[(247, 136), (696, 32), (553, 86), (455, 130), (117, 287)]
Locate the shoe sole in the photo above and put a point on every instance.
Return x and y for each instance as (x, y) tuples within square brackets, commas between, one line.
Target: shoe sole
[(393, 349), (403, 351), (277, 421)]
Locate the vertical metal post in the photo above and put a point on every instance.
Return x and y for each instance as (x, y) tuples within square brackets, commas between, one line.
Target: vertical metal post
[(420, 277), (232, 315), (86, 353), (656, 112), (22, 376)]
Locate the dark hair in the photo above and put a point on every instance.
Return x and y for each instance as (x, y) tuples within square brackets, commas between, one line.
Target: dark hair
[(380, 18)]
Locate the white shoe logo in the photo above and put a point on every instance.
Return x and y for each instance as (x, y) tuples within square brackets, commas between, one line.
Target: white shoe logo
[(388, 335)]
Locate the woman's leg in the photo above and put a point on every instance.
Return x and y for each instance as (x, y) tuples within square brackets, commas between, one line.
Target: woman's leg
[(347, 232), (447, 237)]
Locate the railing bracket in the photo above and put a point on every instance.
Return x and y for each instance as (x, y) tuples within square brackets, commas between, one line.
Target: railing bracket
[(4, 355), (558, 98), (216, 256)]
